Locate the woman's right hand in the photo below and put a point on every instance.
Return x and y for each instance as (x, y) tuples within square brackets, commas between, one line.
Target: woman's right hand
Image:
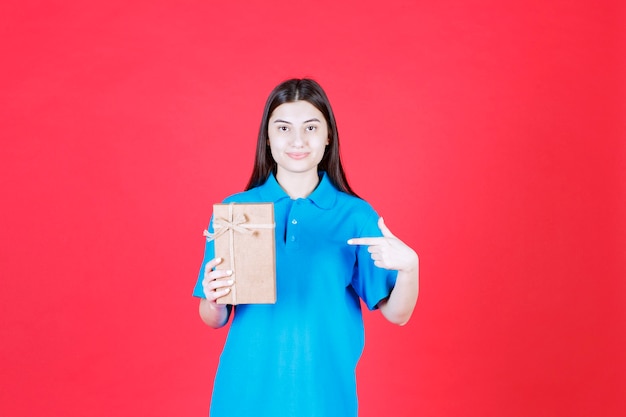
[(215, 284)]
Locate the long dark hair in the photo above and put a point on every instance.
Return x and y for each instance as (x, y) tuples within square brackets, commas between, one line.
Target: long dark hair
[(287, 92)]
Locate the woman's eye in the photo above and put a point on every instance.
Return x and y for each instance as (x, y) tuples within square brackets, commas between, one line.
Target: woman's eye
[(283, 128), (311, 128)]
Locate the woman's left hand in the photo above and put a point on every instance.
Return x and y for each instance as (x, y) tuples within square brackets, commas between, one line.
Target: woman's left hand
[(388, 251)]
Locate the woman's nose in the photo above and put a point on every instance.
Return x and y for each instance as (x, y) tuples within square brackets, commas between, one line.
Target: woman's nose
[(297, 139)]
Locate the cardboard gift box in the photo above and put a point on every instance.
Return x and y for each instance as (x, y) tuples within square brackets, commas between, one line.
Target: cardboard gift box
[(244, 239)]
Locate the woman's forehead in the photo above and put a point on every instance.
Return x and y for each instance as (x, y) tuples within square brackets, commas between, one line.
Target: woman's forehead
[(296, 111)]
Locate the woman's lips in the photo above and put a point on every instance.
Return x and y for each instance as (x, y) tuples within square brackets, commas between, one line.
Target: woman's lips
[(297, 155)]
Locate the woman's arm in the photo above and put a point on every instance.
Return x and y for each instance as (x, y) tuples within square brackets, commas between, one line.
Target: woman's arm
[(389, 252), (398, 307), (215, 286)]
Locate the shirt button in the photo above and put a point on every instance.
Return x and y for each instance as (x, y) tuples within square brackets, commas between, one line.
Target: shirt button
[(293, 238), (294, 221)]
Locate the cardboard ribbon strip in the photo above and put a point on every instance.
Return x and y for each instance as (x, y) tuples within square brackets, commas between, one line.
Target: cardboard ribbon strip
[(231, 225)]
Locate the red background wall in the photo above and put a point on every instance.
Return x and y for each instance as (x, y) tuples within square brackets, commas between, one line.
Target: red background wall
[(491, 135)]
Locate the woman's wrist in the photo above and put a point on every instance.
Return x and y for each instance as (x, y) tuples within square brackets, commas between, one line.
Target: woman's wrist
[(413, 265)]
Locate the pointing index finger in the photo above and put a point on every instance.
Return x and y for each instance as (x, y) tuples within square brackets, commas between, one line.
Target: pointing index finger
[(365, 241)]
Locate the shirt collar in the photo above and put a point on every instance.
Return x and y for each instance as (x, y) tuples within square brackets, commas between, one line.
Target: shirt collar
[(324, 195)]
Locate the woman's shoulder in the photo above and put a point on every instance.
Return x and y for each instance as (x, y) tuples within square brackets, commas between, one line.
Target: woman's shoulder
[(249, 196), (355, 204)]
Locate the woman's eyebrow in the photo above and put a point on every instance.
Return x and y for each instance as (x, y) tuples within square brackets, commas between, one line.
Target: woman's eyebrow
[(306, 121)]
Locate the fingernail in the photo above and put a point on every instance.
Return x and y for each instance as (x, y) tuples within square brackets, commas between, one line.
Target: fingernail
[(229, 272), (231, 281), (349, 241)]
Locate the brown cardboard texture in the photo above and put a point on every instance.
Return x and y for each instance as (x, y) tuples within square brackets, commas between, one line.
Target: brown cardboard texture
[(244, 239)]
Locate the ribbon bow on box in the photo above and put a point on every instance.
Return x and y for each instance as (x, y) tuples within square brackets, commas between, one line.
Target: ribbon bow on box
[(238, 224)]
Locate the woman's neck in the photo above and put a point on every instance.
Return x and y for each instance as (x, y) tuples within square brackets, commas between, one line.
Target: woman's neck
[(298, 185)]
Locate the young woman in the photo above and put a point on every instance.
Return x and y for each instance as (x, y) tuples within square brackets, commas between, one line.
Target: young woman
[(298, 357)]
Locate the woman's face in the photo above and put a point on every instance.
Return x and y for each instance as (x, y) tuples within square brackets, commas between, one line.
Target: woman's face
[(298, 135)]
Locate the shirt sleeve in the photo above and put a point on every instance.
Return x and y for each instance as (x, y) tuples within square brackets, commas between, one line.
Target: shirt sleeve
[(370, 282), (209, 253)]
